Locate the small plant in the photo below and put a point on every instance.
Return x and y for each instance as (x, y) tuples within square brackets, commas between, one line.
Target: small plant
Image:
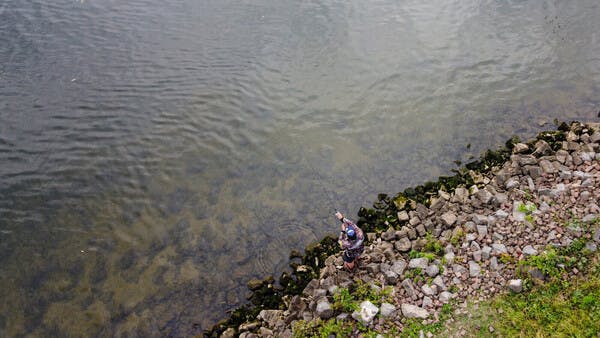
[(457, 237), (344, 301), (433, 245)]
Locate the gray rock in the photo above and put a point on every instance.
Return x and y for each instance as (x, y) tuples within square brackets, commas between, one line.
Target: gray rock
[(477, 255), (372, 268), (449, 257), (484, 196), (408, 287), (501, 213), (561, 156), (403, 216), (470, 237), (479, 219), (413, 311), (494, 264), (319, 293), (527, 160), (482, 230), (459, 269), (534, 171), (399, 266), (520, 148), (389, 234), (528, 250), (515, 285), (414, 221), (387, 309), (445, 297), (499, 199), (591, 246), (486, 252), (248, 326), (248, 335), (270, 316), (439, 282), (403, 244), (449, 218), (512, 183), (498, 249), (265, 332), (420, 262), (432, 270), (542, 148), (461, 194), (366, 313), (427, 290), (427, 302), (391, 277), (324, 309), (589, 218), (474, 269)]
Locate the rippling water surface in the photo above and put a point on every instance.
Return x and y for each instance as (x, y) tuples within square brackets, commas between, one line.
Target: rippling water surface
[(156, 155)]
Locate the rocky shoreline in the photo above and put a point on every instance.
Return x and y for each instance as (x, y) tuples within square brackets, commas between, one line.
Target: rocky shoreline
[(447, 242)]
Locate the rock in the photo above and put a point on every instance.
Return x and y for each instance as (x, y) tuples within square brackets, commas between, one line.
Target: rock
[(413, 311), (324, 309), (248, 335), (589, 218), (265, 332), (248, 326), (449, 218), (398, 267), (486, 252), (520, 148), (459, 269), (449, 257), (408, 287), (484, 196), (270, 316), (528, 250), (366, 313), (474, 269), (427, 302), (372, 268), (389, 234), (403, 244), (255, 284), (445, 297), (229, 333), (420, 263), (482, 230), (512, 183), (515, 285), (403, 216), (591, 246), (498, 249), (479, 219), (461, 194), (432, 270), (391, 277), (542, 148), (310, 287), (387, 309), (547, 167), (494, 264), (501, 213), (439, 282), (534, 171), (427, 290)]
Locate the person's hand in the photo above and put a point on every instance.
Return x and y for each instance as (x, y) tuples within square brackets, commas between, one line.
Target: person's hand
[(339, 215)]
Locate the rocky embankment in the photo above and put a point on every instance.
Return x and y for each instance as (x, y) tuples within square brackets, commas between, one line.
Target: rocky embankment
[(462, 244)]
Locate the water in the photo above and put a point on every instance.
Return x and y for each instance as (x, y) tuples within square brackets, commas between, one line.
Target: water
[(157, 155)]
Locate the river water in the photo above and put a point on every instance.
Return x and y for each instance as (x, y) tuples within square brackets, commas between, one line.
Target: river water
[(156, 155)]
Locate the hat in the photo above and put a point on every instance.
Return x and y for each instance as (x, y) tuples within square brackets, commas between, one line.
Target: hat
[(351, 233)]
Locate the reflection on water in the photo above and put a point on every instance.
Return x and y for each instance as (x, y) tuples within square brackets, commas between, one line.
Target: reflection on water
[(158, 155)]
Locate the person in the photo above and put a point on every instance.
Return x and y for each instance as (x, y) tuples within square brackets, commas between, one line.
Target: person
[(351, 240)]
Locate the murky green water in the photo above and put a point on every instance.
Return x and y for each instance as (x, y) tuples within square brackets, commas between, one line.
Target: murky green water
[(157, 155)]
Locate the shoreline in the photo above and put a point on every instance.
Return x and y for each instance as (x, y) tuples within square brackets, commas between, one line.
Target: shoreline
[(440, 242)]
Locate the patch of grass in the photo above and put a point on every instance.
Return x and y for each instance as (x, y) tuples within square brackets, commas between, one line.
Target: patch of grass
[(413, 327), (457, 237), (433, 245), (320, 328), (364, 291)]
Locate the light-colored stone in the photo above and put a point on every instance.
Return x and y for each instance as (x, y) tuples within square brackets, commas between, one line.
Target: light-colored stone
[(413, 311), (403, 216), (439, 282), (387, 309), (427, 290), (529, 250), (515, 285), (474, 269), (449, 218), (366, 313), (420, 263), (403, 244), (498, 249), (399, 266), (324, 309), (432, 270), (408, 287), (445, 297)]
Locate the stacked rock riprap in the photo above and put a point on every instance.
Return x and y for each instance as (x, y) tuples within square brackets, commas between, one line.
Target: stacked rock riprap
[(465, 245)]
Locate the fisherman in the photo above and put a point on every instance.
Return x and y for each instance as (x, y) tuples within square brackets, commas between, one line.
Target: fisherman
[(351, 240)]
